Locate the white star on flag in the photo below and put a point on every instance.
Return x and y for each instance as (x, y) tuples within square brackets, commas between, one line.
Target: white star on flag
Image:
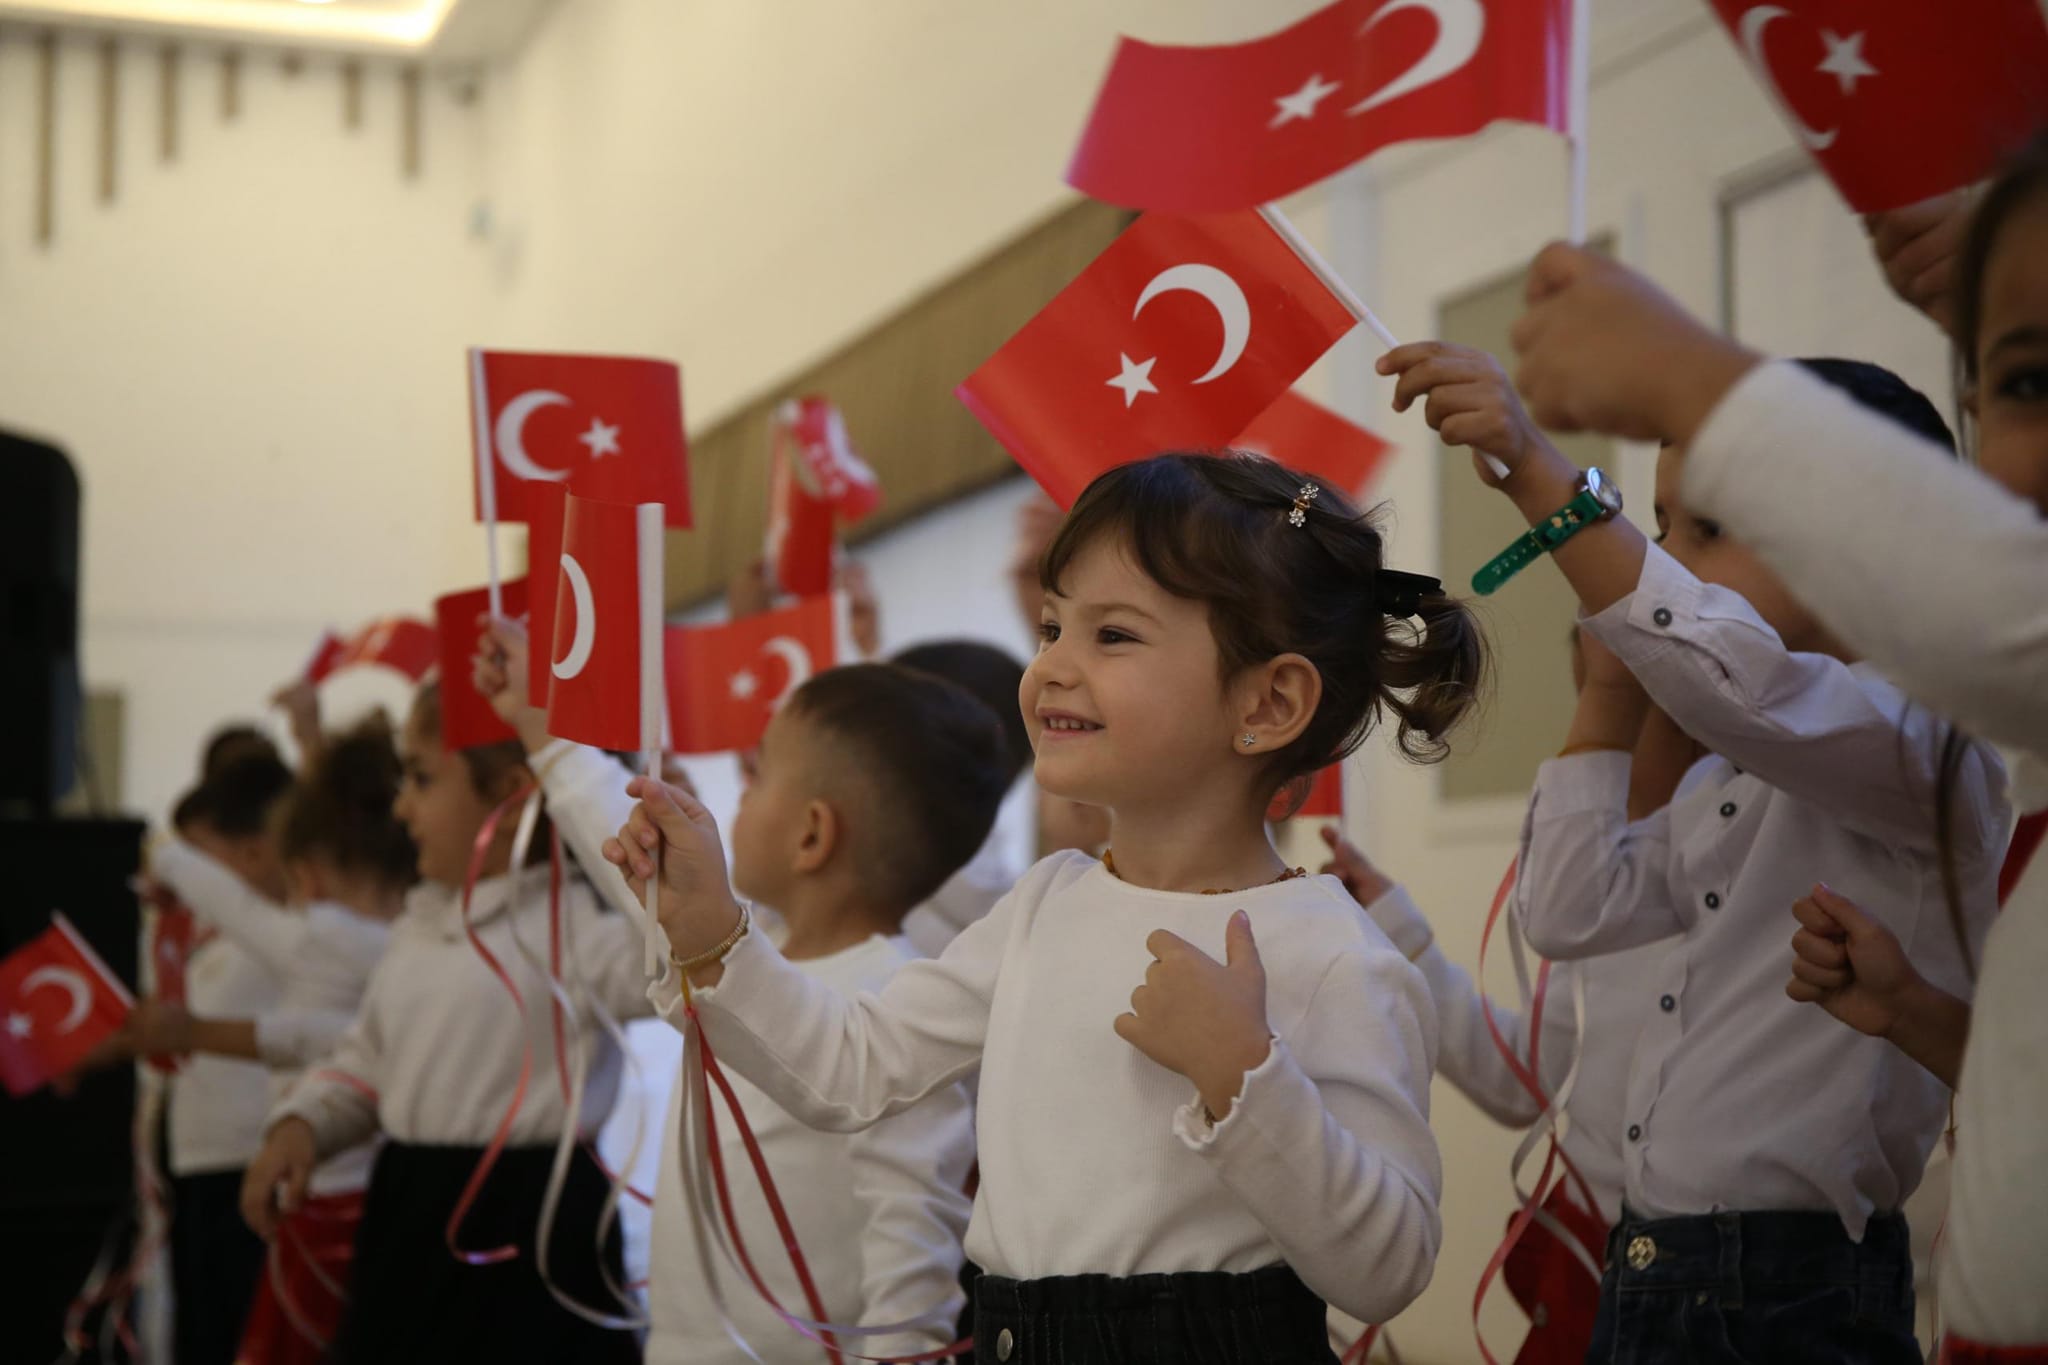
[(745, 684), (20, 1025), (601, 439), (1302, 103), (1845, 60), (1135, 379)]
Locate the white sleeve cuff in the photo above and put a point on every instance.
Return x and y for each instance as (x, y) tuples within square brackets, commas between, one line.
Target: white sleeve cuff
[(1191, 1121)]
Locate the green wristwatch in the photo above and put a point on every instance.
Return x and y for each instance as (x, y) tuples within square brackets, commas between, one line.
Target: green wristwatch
[(1597, 500)]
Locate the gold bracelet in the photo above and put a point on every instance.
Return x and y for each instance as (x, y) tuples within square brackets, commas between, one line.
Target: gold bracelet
[(717, 954)]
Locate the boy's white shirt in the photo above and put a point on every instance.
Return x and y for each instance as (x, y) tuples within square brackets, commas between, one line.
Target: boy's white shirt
[(880, 1214), (1094, 1159), (216, 1104), (1821, 772)]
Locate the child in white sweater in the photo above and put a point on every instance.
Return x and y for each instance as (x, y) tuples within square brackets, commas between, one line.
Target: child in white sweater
[(1213, 1155)]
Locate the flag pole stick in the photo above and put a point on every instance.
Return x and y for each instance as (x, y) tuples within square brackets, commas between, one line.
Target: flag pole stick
[(486, 485), (1335, 284), (1331, 280), (1576, 114), (647, 519)]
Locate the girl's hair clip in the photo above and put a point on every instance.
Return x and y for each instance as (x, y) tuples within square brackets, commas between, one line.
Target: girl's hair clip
[(1299, 515), (1400, 594)]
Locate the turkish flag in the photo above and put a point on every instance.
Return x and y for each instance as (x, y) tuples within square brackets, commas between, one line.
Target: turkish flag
[(467, 719), (58, 1001), (604, 686), (1899, 100), (725, 682), (608, 427), (817, 480), (547, 504), (1174, 338), (1210, 129), (1310, 439), (397, 642), (174, 935)]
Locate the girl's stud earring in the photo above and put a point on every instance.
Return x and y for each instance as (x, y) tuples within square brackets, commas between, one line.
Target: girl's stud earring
[(1249, 739)]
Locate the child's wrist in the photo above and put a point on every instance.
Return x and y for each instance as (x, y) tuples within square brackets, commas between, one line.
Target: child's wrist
[(1220, 1085)]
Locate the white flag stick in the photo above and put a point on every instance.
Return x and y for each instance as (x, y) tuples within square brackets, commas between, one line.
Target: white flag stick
[(486, 484), (1576, 113), (647, 523), (1335, 284)]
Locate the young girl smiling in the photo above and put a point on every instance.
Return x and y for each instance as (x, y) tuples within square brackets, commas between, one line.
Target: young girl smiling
[(1204, 1076)]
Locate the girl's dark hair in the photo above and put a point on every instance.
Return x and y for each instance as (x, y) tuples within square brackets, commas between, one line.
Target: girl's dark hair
[(2025, 176), (340, 809), (1214, 528), (487, 764)]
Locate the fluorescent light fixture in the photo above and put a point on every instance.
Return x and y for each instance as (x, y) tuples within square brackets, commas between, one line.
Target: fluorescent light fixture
[(309, 21)]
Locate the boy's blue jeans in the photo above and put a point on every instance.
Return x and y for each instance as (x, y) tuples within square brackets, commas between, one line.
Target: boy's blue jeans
[(1772, 1288)]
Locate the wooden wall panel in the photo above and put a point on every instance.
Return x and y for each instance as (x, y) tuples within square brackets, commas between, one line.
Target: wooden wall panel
[(895, 386)]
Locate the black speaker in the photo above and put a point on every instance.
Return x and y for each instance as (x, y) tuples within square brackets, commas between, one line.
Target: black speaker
[(67, 1162), (39, 691)]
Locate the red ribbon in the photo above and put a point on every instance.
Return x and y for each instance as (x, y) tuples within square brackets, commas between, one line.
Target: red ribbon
[(819, 1329), (496, 1147), (1530, 1079)]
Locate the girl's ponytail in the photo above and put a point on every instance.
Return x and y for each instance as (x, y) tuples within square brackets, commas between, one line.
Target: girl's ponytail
[(1433, 669)]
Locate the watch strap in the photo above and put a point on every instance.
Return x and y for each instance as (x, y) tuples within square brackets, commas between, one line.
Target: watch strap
[(1554, 530)]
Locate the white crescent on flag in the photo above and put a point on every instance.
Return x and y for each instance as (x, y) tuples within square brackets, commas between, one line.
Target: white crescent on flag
[(65, 977), (1752, 26), (585, 638), (1460, 27), (1223, 294), (511, 435), (792, 652)]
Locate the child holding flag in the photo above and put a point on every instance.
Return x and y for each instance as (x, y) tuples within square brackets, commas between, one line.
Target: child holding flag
[(460, 1081), (1214, 1155), (1767, 1152), (874, 785)]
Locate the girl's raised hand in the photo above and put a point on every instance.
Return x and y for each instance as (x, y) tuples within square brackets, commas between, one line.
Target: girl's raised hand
[(1203, 1018), (669, 824), (1468, 401), (498, 671), (1349, 865), (1917, 247)]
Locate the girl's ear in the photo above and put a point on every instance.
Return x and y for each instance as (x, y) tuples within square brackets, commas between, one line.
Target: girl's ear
[(508, 781), (1276, 702)]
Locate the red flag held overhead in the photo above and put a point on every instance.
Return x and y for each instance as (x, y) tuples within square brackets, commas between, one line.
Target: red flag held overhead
[(467, 719), (1899, 100), (58, 1001), (396, 642), (608, 427), (596, 684), (817, 482), (1211, 129), (1310, 439), (725, 682), (1174, 338)]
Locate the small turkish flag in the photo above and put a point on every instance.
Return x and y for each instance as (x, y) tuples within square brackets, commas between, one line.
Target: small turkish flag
[(467, 719), (173, 936), (1310, 439), (547, 504), (608, 427), (605, 672), (58, 1001), (725, 682), (396, 642), (816, 481), (1900, 100), (1174, 338), (1210, 129)]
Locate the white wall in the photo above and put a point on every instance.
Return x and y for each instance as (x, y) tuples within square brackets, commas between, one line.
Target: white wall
[(254, 357)]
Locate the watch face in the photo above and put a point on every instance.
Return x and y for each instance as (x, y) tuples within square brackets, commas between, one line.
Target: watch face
[(1604, 490)]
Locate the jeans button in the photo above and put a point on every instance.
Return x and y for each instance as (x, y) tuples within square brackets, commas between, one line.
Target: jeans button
[(1006, 1344), (1642, 1251)]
